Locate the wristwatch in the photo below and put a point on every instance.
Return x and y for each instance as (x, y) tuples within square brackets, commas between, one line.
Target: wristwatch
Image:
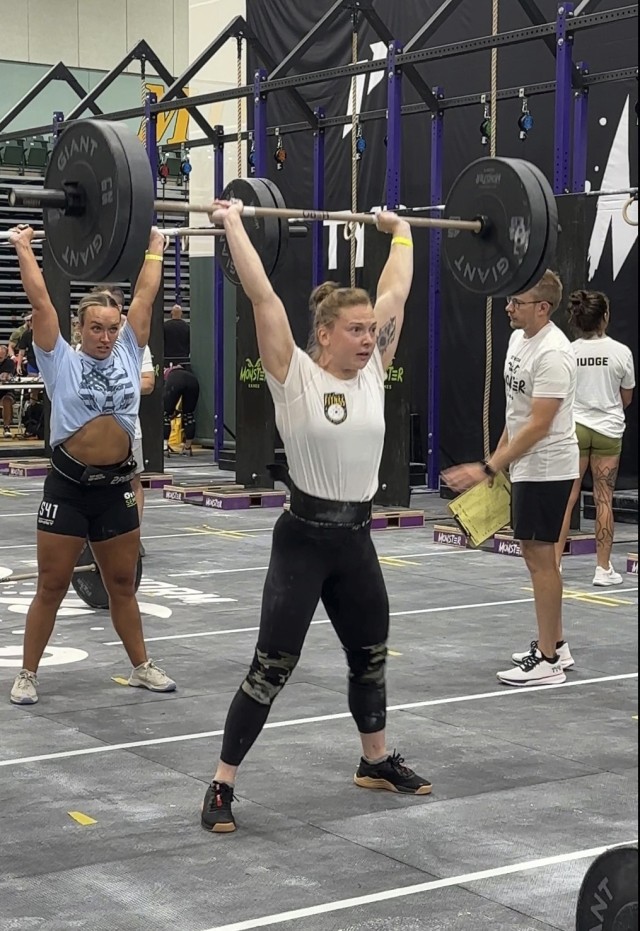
[(487, 469)]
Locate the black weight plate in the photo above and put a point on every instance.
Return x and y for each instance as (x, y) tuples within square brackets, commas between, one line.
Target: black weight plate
[(278, 201), (608, 898), (549, 257), (89, 585), (501, 260), (142, 197), (264, 232), (87, 247)]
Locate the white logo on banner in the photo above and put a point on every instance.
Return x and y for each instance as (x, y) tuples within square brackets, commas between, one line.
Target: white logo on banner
[(616, 175)]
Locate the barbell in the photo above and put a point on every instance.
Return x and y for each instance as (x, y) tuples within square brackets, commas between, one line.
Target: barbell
[(86, 579), (98, 203)]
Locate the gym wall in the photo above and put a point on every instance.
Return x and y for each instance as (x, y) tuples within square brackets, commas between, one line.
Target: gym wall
[(91, 33), (612, 163)]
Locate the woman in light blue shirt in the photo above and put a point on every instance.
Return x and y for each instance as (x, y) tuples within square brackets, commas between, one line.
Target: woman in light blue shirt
[(94, 394)]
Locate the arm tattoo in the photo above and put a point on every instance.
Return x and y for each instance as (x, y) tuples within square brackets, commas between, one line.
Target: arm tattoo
[(386, 335)]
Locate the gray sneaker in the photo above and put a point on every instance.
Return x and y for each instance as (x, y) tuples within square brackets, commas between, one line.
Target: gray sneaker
[(149, 676), (24, 688)]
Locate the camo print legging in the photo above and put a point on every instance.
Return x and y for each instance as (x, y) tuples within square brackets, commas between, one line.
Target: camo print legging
[(339, 567)]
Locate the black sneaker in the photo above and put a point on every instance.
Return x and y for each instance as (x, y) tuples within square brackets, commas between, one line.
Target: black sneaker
[(392, 775), (216, 810)]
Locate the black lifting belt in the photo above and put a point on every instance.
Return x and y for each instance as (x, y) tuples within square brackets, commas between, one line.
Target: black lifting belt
[(321, 511), (92, 476)]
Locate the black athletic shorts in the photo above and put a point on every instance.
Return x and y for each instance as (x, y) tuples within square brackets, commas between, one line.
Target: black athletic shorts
[(538, 508), (94, 513)]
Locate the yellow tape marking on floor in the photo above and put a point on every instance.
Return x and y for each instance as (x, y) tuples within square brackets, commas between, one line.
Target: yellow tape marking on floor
[(120, 680), (13, 494), (80, 818), (396, 561), (215, 532), (591, 598), (393, 653)]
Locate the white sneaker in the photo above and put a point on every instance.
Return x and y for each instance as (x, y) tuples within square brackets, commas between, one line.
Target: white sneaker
[(533, 670), (24, 688), (604, 577), (566, 659), (149, 676)]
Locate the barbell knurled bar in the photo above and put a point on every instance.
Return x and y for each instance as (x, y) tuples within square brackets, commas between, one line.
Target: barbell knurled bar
[(27, 576), (292, 213), (42, 197)]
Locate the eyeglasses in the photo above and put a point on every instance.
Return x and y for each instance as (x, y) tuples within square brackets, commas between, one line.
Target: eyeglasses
[(514, 302)]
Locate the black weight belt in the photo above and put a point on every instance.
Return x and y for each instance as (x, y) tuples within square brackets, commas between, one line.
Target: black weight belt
[(92, 476), (320, 511)]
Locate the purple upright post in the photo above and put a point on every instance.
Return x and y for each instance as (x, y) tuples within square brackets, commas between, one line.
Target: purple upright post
[(178, 273), (434, 302), (151, 137), (580, 134), (260, 123), (218, 311), (317, 264), (58, 118), (564, 71), (394, 125)]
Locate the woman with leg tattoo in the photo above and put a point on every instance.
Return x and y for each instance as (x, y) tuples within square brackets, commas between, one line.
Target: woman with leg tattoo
[(605, 383), (329, 405)]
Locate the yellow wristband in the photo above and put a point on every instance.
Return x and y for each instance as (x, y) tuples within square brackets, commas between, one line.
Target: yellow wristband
[(401, 241), (151, 257)]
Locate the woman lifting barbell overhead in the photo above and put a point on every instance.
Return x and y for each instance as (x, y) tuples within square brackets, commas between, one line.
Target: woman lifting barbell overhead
[(94, 396), (329, 405)]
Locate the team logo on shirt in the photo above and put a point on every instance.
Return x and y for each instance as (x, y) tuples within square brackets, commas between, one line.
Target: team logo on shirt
[(335, 407)]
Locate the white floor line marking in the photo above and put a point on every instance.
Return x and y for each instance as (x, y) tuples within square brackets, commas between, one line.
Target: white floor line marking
[(402, 892), (272, 725), (161, 536), (245, 630)]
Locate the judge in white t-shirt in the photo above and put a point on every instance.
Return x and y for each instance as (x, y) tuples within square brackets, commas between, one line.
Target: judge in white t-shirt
[(605, 383), (329, 409), (540, 448)]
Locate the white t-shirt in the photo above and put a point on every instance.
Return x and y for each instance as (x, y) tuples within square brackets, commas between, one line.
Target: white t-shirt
[(604, 367), (542, 367), (332, 429), (147, 366)]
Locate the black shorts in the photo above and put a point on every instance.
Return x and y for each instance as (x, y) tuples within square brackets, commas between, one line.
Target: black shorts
[(538, 508), (94, 513)]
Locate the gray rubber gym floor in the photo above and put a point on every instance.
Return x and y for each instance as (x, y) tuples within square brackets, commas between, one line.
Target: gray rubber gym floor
[(101, 784)]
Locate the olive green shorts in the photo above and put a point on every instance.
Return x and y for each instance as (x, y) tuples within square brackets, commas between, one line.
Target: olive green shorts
[(596, 444)]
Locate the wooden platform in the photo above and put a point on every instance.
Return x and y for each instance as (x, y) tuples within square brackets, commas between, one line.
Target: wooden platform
[(155, 479), (193, 494), (27, 468), (396, 519), (451, 535), (243, 499), (632, 563), (578, 544)]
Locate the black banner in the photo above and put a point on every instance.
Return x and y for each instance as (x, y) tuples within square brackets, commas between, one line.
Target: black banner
[(612, 163)]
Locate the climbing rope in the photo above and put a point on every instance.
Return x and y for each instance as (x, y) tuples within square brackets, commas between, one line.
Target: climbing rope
[(143, 100), (239, 104), (354, 152), (486, 404)]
